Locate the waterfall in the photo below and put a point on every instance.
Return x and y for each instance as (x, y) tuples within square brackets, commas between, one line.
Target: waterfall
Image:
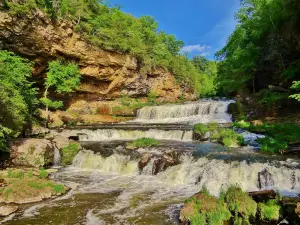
[(119, 134), (215, 174), (57, 157), (196, 112), (115, 163)]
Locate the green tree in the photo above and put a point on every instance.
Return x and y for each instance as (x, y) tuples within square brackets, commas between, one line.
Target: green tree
[(296, 85), (17, 96), (63, 78)]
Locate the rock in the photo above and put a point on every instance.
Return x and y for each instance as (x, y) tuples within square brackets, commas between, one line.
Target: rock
[(7, 210), (265, 179), (61, 141), (39, 131), (144, 160), (32, 152), (297, 210), (106, 74), (257, 122)]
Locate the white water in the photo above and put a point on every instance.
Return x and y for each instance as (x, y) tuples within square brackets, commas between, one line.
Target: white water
[(117, 134), (196, 173), (195, 112), (57, 157)]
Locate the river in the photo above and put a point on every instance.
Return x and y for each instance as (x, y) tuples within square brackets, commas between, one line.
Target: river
[(113, 185)]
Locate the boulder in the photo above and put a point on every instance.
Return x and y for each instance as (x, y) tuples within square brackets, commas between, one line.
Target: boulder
[(8, 209), (60, 142), (32, 152)]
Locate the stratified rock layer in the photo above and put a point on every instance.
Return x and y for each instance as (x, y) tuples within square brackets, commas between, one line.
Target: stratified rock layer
[(106, 74)]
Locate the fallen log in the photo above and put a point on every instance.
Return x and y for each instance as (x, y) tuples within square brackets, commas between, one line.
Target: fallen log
[(264, 195)]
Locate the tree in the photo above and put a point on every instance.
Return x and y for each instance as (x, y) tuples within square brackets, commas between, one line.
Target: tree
[(17, 96), (63, 78)]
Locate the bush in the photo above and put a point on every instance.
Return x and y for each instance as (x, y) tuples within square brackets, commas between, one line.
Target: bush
[(269, 211), (240, 204), (228, 137), (200, 129), (242, 124), (205, 209), (69, 153), (144, 142), (271, 145)]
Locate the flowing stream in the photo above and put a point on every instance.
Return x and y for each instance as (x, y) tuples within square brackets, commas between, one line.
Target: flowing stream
[(113, 185)]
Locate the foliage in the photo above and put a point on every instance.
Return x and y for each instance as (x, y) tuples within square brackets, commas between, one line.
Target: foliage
[(269, 211), (17, 97), (144, 142), (242, 124), (261, 52), (296, 85), (240, 204), (201, 129), (64, 78), (206, 209), (278, 136), (58, 189), (112, 29), (271, 145), (69, 153)]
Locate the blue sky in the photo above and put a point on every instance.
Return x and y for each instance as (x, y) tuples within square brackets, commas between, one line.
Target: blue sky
[(203, 25)]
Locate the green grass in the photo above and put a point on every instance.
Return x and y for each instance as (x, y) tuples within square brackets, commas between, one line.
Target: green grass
[(242, 124), (269, 211), (43, 173), (144, 142), (15, 174), (58, 188), (69, 153)]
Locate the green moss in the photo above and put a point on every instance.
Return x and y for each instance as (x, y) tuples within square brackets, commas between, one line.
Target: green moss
[(269, 211), (240, 204), (144, 142), (69, 153)]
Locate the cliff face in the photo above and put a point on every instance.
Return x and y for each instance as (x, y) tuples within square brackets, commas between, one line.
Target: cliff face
[(105, 74)]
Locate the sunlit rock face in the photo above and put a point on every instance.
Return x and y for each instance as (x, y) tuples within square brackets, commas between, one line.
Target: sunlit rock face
[(106, 74)]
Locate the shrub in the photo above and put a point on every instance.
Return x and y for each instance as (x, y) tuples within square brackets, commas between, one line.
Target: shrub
[(200, 129), (242, 124), (228, 137), (205, 209), (144, 142), (240, 204), (269, 211), (69, 153)]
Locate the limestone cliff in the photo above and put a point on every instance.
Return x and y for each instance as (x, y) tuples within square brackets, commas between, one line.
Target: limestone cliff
[(105, 74)]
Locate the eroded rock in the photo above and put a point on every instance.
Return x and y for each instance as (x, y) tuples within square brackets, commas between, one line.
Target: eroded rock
[(6, 210)]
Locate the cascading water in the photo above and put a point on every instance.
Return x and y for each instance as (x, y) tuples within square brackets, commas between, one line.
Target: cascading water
[(57, 157), (119, 134), (113, 185), (197, 112)]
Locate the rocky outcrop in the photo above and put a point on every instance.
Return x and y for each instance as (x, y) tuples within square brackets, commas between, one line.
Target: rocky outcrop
[(34, 152), (8, 209), (106, 74)]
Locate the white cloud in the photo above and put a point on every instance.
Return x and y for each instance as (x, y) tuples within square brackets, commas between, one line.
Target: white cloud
[(202, 49)]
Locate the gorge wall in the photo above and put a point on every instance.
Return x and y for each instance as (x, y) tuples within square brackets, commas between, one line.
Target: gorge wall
[(106, 75)]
